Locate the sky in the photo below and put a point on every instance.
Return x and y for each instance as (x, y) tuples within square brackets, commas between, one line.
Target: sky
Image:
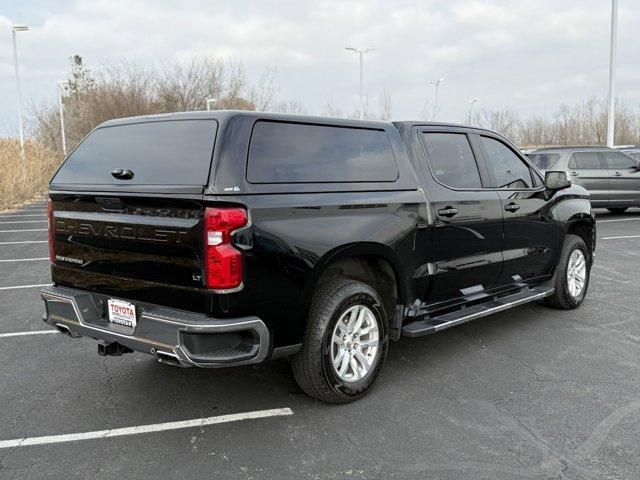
[(525, 55)]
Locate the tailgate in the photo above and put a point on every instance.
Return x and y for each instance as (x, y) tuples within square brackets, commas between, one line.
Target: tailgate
[(137, 248)]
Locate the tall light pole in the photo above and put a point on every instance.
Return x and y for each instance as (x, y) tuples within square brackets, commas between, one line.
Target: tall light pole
[(361, 52), (436, 83), (612, 74), (62, 133), (14, 30), (472, 102)]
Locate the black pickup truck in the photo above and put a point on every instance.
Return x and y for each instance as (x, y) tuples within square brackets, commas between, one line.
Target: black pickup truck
[(212, 239)]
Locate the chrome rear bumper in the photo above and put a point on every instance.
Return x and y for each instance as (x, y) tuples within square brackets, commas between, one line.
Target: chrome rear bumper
[(175, 336)]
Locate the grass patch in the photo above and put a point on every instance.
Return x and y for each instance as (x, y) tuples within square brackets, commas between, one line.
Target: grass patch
[(20, 180)]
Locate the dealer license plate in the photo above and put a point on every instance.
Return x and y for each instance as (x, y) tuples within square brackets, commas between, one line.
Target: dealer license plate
[(122, 313)]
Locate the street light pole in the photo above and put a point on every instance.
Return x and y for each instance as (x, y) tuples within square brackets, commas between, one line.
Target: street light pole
[(472, 102), (612, 74), (436, 83), (14, 29), (361, 55), (361, 52), (62, 133)]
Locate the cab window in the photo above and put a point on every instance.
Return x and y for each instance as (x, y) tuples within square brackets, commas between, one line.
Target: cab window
[(508, 169), (451, 160), (283, 152)]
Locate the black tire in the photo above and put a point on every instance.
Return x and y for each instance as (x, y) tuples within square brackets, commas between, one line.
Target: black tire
[(618, 209), (562, 298), (312, 365)]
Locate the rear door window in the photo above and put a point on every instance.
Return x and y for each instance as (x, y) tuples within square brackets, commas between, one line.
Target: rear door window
[(618, 161), (175, 152), (508, 169), (451, 160), (585, 161), (282, 152)]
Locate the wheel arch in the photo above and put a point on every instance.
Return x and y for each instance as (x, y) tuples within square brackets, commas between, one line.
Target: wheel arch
[(372, 263), (584, 226)]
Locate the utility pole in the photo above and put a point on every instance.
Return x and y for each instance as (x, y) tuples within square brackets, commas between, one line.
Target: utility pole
[(361, 52), (14, 30), (612, 74), (62, 133), (472, 102), (436, 83)]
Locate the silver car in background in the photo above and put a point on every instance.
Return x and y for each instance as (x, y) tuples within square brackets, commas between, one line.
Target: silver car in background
[(633, 150), (612, 177)]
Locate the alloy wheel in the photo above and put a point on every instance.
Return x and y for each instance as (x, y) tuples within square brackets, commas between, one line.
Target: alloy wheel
[(576, 273), (355, 343)]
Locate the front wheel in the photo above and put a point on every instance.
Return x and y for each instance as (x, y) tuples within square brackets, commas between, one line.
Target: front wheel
[(345, 342), (572, 275)]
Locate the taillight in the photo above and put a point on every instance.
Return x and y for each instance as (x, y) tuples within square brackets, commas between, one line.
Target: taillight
[(223, 262), (51, 226)]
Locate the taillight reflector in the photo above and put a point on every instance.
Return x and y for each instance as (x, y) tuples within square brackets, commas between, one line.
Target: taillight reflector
[(51, 227), (223, 262)]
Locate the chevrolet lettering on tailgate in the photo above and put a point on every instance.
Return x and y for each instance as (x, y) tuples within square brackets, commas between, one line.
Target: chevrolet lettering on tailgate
[(147, 233)]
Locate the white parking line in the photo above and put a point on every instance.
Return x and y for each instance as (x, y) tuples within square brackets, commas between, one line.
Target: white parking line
[(27, 221), (27, 230), (16, 287), (26, 241), (618, 220), (155, 427), (34, 332), (624, 236), (23, 260), (23, 215)]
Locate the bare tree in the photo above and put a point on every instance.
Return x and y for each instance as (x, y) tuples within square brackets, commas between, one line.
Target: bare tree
[(186, 87), (379, 111), (290, 106), (330, 110), (129, 89), (385, 105), (502, 121), (428, 111), (263, 94), (579, 124)]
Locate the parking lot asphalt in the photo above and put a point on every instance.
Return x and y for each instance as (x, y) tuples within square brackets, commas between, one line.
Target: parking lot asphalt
[(529, 393)]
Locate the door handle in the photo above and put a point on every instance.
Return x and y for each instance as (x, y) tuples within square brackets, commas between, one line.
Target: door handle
[(618, 174), (512, 207), (448, 212), (575, 174)]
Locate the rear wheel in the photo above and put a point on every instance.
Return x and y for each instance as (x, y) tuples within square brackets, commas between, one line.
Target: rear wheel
[(345, 342), (572, 275), (617, 209)]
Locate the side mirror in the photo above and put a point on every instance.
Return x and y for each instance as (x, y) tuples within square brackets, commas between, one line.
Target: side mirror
[(557, 180)]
